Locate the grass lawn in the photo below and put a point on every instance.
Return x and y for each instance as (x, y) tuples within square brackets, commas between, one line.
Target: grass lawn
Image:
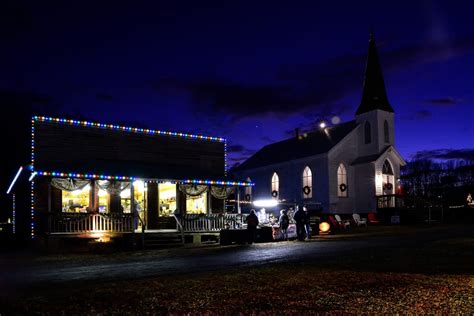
[(438, 279)]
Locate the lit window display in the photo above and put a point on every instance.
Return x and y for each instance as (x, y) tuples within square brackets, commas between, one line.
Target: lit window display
[(139, 196), (167, 196), (196, 204), (76, 201), (103, 198)]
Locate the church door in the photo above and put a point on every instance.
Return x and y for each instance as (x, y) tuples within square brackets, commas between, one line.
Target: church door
[(388, 184)]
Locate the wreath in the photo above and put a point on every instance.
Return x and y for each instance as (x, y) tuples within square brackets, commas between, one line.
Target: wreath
[(247, 197), (389, 186), (306, 190), (274, 193), (343, 187)]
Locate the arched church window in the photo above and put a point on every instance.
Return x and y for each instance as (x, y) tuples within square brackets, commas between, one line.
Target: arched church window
[(248, 191), (341, 181), (275, 185), (386, 132), (387, 168), (307, 186), (367, 133)]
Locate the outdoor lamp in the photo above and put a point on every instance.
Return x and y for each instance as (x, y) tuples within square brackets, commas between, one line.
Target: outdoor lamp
[(265, 203), (324, 228)]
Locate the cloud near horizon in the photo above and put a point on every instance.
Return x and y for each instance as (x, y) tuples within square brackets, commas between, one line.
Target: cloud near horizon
[(466, 154)]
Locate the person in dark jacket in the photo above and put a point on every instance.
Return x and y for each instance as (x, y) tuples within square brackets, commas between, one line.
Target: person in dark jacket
[(284, 222), (299, 219), (252, 223)]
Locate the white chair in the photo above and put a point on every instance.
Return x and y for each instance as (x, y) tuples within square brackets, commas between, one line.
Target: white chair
[(345, 223), (359, 221)]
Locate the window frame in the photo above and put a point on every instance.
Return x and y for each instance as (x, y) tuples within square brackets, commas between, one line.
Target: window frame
[(307, 180), (342, 179)]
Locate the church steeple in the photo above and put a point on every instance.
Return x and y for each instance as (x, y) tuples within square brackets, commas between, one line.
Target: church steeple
[(374, 96)]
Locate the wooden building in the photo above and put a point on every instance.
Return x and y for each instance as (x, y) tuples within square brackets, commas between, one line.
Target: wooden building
[(87, 178)]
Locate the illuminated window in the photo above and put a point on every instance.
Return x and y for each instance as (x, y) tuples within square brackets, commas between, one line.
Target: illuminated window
[(167, 196), (76, 201), (307, 183), (368, 133), (275, 185), (386, 132), (341, 181), (196, 204), (103, 198)]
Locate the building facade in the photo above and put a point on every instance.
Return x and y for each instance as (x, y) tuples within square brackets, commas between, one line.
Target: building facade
[(87, 178), (338, 169)]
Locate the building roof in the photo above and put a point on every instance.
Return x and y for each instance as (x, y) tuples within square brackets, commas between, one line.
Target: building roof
[(370, 158), (374, 95), (373, 158), (314, 143)]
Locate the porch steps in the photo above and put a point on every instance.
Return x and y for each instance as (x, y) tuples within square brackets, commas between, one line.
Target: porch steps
[(166, 223), (162, 240)]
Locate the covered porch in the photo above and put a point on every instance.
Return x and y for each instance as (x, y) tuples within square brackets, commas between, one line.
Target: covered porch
[(85, 207)]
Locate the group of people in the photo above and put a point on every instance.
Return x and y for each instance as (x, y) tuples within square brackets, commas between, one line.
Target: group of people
[(300, 216)]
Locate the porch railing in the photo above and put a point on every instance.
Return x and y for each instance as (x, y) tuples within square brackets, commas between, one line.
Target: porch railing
[(84, 223), (211, 222), (390, 201)]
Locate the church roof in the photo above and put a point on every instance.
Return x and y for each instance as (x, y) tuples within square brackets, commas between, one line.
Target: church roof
[(374, 95), (314, 143), (370, 158), (373, 158)]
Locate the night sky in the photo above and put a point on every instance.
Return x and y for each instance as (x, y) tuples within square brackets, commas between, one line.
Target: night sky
[(250, 71)]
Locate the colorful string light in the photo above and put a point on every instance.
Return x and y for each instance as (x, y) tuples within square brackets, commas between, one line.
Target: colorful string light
[(212, 182), (83, 175), (124, 178), (14, 213), (125, 129), (32, 211)]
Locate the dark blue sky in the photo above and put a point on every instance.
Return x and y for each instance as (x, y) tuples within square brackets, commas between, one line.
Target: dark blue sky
[(250, 71)]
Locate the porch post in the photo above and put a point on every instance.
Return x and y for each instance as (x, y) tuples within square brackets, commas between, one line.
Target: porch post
[(94, 198), (133, 209), (115, 202), (209, 201), (49, 195), (239, 211), (50, 219), (152, 205)]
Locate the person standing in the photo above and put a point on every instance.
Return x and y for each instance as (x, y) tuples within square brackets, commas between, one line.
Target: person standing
[(307, 222), (284, 222), (299, 219), (252, 223)]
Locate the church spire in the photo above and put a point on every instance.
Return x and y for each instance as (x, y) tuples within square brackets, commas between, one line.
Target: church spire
[(374, 95)]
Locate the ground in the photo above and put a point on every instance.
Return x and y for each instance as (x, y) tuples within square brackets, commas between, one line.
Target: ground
[(378, 271)]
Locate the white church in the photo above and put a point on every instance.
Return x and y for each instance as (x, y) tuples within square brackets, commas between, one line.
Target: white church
[(339, 169)]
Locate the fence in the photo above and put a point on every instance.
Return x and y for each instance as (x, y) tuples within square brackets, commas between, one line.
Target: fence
[(211, 222), (82, 223)]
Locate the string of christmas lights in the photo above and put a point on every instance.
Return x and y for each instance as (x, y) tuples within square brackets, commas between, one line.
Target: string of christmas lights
[(124, 178), (125, 128), (14, 213), (32, 211)]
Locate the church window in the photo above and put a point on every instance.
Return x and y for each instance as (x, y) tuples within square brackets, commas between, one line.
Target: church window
[(341, 181), (275, 185), (386, 132), (307, 183), (387, 168), (368, 133)]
